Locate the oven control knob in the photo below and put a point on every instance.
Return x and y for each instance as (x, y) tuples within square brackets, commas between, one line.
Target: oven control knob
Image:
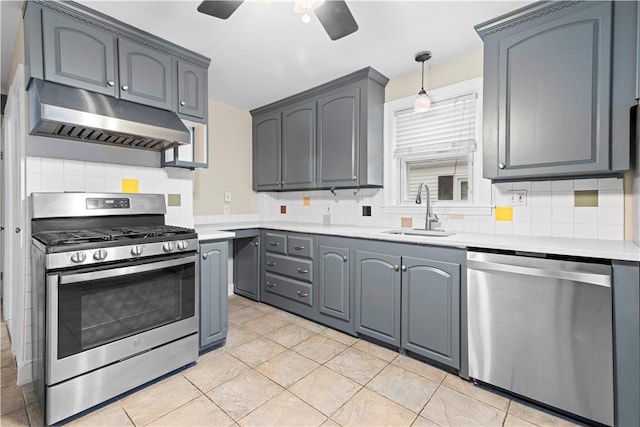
[(167, 247), (78, 257), (183, 244), (136, 250), (100, 254)]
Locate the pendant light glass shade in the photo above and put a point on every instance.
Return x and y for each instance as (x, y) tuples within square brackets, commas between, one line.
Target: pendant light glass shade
[(422, 102)]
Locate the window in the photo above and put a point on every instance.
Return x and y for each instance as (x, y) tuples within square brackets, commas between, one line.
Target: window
[(439, 148)]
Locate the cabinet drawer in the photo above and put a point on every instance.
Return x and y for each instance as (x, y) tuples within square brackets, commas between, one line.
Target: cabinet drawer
[(276, 243), (300, 246), (296, 268), (289, 288)]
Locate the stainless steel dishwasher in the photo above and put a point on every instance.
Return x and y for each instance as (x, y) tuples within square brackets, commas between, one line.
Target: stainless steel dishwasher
[(542, 328)]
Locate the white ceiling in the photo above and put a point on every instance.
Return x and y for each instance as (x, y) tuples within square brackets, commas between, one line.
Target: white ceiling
[(263, 53)]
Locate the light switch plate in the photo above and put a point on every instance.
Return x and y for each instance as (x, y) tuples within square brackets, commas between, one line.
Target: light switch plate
[(518, 198), (227, 196)]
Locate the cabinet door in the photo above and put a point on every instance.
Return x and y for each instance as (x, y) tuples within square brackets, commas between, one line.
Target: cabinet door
[(213, 293), (338, 139), (378, 296), (78, 54), (145, 75), (246, 267), (430, 309), (192, 89), (554, 96), (266, 152), (333, 282), (299, 146)]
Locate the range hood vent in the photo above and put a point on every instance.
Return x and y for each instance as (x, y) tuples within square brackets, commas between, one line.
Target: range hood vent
[(66, 112)]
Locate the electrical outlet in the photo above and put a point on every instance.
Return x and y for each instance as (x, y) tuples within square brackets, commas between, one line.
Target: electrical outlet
[(518, 198), (227, 196), (227, 209)]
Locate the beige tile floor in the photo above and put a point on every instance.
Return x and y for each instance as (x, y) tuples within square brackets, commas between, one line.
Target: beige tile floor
[(277, 369)]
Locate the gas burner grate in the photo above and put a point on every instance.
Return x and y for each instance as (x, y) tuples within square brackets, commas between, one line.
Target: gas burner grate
[(59, 238)]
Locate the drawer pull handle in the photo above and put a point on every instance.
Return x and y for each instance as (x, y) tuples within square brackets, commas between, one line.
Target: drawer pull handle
[(274, 243), (302, 294), (301, 271), (271, 285), (298, 248), (271, 263)]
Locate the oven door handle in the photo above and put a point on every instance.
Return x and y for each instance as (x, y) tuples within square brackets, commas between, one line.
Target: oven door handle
[(65, 279)]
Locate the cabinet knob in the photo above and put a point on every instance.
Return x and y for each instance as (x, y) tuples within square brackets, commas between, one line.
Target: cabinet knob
[(283, 183), (501, 165), (302, 294), (277, 182), (18, 230), (183, 103), (344, 258), (354, 177), (255, 243), (404, 267), (125, 88), (396, 267), (111, 83)]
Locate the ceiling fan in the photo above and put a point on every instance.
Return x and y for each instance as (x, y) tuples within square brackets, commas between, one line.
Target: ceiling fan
[(334, 15)]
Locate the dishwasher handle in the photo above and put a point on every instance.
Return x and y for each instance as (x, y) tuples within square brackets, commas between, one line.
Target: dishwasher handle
[(590, 278)]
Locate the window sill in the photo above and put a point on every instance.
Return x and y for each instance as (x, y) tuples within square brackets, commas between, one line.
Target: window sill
[(480, 210)]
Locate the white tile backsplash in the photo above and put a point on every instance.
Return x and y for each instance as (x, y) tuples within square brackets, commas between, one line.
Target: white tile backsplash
[(550, 209)]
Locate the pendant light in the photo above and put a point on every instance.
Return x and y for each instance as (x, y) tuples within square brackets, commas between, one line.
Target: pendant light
[(423, 102)]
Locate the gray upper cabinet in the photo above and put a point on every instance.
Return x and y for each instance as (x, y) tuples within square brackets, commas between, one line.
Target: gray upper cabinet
[(145, 75), (299, 146), (213, 293), (331, 136), (69, 43), (378, 296), (267, 134), (558, 85), (192, 82), (431, 309), (78, 54), (338, 138)]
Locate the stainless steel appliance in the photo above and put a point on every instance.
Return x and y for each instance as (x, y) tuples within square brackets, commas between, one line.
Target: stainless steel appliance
[(115, 297), (542, 328)]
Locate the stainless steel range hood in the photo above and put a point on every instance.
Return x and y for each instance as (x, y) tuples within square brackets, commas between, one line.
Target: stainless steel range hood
[(66, 112)]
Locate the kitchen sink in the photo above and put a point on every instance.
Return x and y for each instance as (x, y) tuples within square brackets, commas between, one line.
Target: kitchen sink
[(420, 232)]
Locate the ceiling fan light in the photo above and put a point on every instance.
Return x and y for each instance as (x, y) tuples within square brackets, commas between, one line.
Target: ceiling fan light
[(422, 102)]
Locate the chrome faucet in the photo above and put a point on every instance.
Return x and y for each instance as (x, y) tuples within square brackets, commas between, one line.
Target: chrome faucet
[(431, 217)]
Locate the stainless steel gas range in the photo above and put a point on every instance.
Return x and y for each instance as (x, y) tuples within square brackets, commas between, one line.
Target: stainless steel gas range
[(115, 297)]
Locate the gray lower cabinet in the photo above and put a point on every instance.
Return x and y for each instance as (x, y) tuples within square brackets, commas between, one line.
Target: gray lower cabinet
[(559, 81), (145, 75), (213, 293), (78, 54), (287, 277), (431, 309), (377, 284), (299, 146), (267, 137), (246, 267), (336, 293), (192, 90)]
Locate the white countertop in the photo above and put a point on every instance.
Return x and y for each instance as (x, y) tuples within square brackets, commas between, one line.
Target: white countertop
[(592, 248)]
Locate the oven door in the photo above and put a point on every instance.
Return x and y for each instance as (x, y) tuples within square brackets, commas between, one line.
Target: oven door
[(98, 317)]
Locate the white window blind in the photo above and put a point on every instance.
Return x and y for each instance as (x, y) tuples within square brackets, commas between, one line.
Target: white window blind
[(447, 130)]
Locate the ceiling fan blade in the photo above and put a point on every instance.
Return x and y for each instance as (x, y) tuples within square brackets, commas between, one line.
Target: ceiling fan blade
[(219, 8), (336, 18)]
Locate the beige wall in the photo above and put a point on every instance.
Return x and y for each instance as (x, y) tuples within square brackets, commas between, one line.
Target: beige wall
[(230, 164), (459, 68), (17, 57)]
